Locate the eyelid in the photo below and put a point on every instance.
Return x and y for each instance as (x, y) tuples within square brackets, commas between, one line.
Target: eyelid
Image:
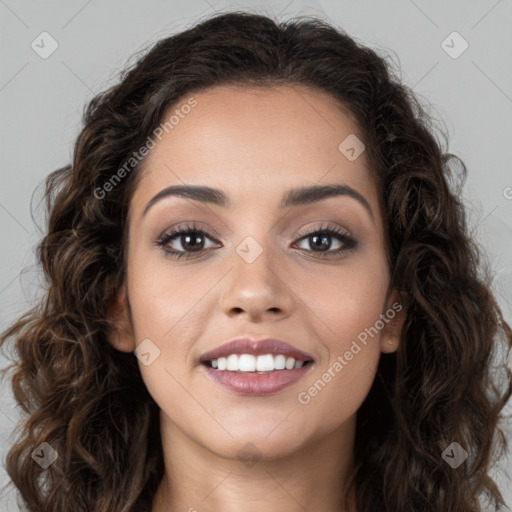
[(326, 225), (192, 225), (212, 233)]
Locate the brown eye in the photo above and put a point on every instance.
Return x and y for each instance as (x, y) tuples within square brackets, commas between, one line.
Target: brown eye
[(320, 241), (193, 242), (184, 241)]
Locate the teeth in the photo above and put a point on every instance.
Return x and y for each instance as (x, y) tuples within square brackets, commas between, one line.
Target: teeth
[(247, 363), (279, 362), (250, 363), (232, 364), (265, 363)]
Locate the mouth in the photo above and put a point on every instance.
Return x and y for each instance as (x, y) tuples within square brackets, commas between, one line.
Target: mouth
[(247, 367)]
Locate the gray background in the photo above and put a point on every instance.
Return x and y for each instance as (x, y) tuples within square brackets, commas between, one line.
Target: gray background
[(41, 102)]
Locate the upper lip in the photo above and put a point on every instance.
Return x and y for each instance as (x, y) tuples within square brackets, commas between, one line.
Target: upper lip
[(247, 345)]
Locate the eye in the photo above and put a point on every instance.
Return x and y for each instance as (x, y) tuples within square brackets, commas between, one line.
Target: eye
[(320, 241), (185, 240)]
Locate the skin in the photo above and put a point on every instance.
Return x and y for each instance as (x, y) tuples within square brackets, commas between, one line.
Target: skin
[(255, 144)]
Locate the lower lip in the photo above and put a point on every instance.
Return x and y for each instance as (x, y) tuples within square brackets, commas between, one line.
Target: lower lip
[(256, 384)]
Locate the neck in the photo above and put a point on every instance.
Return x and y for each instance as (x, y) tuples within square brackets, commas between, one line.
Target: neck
[(311, 478)]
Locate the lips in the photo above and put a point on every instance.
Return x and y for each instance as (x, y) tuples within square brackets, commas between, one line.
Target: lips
[(249, 367)]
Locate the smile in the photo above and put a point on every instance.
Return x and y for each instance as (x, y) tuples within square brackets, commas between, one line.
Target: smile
[(247, 366)]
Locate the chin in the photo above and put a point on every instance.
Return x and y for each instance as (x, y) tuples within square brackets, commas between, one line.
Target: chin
[(259, 441), (251, 450)]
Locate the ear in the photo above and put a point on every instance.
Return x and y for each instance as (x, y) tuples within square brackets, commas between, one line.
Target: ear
[(394, 317), (121, 335)]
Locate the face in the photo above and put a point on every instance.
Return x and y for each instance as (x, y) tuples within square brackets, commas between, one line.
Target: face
[(251, 267)]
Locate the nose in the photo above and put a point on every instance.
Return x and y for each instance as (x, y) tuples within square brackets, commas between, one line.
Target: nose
[(257, 289)]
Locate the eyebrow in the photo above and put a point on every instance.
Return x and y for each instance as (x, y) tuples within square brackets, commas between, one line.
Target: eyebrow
[(294, 197)]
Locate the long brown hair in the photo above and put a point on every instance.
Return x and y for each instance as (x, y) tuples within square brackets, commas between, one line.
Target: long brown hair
[(88, 400)]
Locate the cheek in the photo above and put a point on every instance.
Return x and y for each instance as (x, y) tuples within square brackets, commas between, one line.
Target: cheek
[(347, 308), (346, 299), (171, 308), (166, 299)]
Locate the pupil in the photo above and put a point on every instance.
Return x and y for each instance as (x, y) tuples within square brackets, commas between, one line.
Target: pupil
[(321, 242), (188, 239)]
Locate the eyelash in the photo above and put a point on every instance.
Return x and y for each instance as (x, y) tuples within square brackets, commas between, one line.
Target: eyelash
[(349, 243)]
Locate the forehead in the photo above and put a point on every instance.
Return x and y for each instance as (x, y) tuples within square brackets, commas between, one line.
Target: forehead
[(255, 142)]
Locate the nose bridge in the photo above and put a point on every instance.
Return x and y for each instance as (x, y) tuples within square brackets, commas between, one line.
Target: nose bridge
[(253, 262), (255, 248)]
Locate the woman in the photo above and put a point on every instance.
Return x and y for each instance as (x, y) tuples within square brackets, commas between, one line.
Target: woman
[(261, 293)]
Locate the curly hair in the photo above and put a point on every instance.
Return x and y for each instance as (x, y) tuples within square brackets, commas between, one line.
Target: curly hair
[(88, 401)]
